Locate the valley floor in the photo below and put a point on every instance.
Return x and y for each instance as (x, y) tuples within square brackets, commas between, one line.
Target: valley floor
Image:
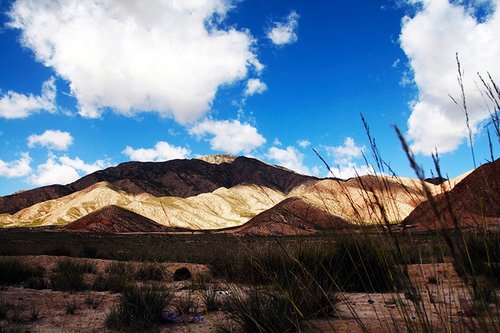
[(442, 296)]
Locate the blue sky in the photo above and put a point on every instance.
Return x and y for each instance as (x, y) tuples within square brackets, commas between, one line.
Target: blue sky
[(86, 85)]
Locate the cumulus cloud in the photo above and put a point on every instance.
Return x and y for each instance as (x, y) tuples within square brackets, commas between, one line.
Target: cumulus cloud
[(63, 170), (304, 143), (168, 57), (162, 151), (51, 139), (283, 33), (255, 86), (79, 165), (345, 159), (289, 158), (430, 40), (346, 152), (17, 168), (229, 136), (14, 105)]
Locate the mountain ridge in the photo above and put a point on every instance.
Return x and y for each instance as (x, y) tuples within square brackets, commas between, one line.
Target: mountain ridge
[(240, 195), (180, 178)]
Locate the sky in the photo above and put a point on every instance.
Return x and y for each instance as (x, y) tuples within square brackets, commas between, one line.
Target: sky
[(85, 85)]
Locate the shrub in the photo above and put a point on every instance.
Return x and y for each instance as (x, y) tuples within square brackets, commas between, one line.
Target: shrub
[(69, 275), (363, 264), (260, 311), (211, 299), (118, 276), (484, 256), (354, 264), (186, 304), (36, 282), (13, 271), (79, 266), (141, 307), (71, 308), (92, 302), (150, 271), (34, 314)]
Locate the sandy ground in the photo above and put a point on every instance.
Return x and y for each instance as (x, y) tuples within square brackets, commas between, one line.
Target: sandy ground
[(441, 297)]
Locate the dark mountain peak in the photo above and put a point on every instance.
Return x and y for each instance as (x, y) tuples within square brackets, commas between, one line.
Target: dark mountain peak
[(436, 180), (180, 178)]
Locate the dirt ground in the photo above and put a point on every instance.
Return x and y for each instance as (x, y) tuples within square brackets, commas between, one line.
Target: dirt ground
[(439, 295)]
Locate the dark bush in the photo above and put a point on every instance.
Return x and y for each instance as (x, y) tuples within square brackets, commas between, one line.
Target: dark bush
[(69, 275), (141, 307), (182, 274), (13, 271), (150, 271)]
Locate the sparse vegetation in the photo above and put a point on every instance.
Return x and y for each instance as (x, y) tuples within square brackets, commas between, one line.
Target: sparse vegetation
[(34, 314), (13, 271), (69, 275), (17, 313), (210, 299), (261, 311), (118, 276), (92, 302), (186, 304), (149, 272), (141, 307), (71, 307)]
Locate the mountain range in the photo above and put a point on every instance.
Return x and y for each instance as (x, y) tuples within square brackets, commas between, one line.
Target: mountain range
[(240, 195)]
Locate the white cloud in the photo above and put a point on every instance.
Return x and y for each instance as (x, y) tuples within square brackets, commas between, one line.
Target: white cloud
[(229, 136), (344, 159), (15, 105), (351, 169), (79, 165), (430, 40), (304, 143), (162, 151), (17, 168), (168, 57), (51, 139), (63, 170), (346, 152), (289, 158), (255, 86), (283, 33)]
